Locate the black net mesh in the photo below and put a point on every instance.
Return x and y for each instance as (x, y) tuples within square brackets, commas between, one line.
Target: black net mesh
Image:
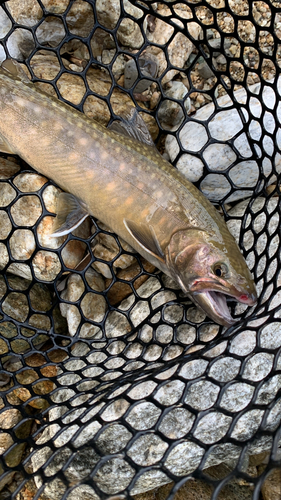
[(112, 382)]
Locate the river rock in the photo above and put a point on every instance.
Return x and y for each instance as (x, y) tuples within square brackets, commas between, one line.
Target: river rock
[(79, 19), (271, 487), (105, 246), (220, 155), (120, 290), (204, 376), (179, 49), (170, 113), (93, 305), (26, 211), (201, 490), (8, 420), (262, 225), (148, 67)]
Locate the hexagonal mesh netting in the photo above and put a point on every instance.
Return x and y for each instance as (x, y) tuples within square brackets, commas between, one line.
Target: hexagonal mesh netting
[(112, 382)]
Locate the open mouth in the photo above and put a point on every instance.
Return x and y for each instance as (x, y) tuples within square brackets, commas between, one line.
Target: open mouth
[(215, 306)]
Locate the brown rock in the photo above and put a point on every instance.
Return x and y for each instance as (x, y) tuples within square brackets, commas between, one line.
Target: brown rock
[(271, 488), (8, 166), (28, 182), (195, 489), (26, 210), (119, 290), (46, 265), (259, 459), (7, 194)]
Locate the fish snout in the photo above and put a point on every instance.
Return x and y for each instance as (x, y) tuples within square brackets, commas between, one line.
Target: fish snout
[(248, 298)]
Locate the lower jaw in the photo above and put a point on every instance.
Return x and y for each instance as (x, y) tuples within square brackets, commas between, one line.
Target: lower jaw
[(214, 305)]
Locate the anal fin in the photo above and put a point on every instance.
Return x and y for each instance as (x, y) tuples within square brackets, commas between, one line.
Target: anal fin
[(71, 212)]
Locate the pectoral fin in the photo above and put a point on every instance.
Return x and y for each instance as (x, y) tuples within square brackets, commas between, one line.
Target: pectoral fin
[(145, 236), (71, 212), (15, 70), (5, 147)]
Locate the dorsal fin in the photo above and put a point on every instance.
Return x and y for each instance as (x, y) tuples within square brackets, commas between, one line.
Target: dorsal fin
[(132, 125)]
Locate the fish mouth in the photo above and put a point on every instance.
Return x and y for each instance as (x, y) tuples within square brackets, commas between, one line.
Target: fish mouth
[(215, 306)]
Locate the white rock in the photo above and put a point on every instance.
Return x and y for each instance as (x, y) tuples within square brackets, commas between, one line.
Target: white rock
[(220, 155)]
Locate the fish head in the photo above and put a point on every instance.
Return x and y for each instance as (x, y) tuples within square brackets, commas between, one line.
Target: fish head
[(210, 270)]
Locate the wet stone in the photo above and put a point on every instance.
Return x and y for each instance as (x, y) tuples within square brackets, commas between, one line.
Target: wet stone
[(220, 155), (147, 450), (271, 487), (170, 113), (93, 305), (4, 256), (184, 458), (51, 30), (113, 439), (16, 306), (143, 416), (7, 194), (22, 244), (236, 396), (179, 48), (148, 66), (46, 265), (29, 182), (129, 34), (26, 211), (8, 166), (176, 423), (5, 225)]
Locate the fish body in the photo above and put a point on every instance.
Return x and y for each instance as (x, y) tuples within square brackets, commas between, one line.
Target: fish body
[(127, 185)]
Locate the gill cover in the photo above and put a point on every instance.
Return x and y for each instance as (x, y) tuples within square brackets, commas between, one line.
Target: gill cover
[(183, 247)]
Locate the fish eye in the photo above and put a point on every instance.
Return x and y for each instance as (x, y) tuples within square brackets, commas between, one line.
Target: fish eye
[(220, 269)]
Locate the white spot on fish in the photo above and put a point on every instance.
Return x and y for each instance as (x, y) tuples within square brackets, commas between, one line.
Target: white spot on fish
[(20, 102), (104, 155), (111, 186), (158, 194), (83, 141), (57, 126), (73, 156)]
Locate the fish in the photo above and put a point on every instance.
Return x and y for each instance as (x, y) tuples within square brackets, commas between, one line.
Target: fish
[(117, 175)]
